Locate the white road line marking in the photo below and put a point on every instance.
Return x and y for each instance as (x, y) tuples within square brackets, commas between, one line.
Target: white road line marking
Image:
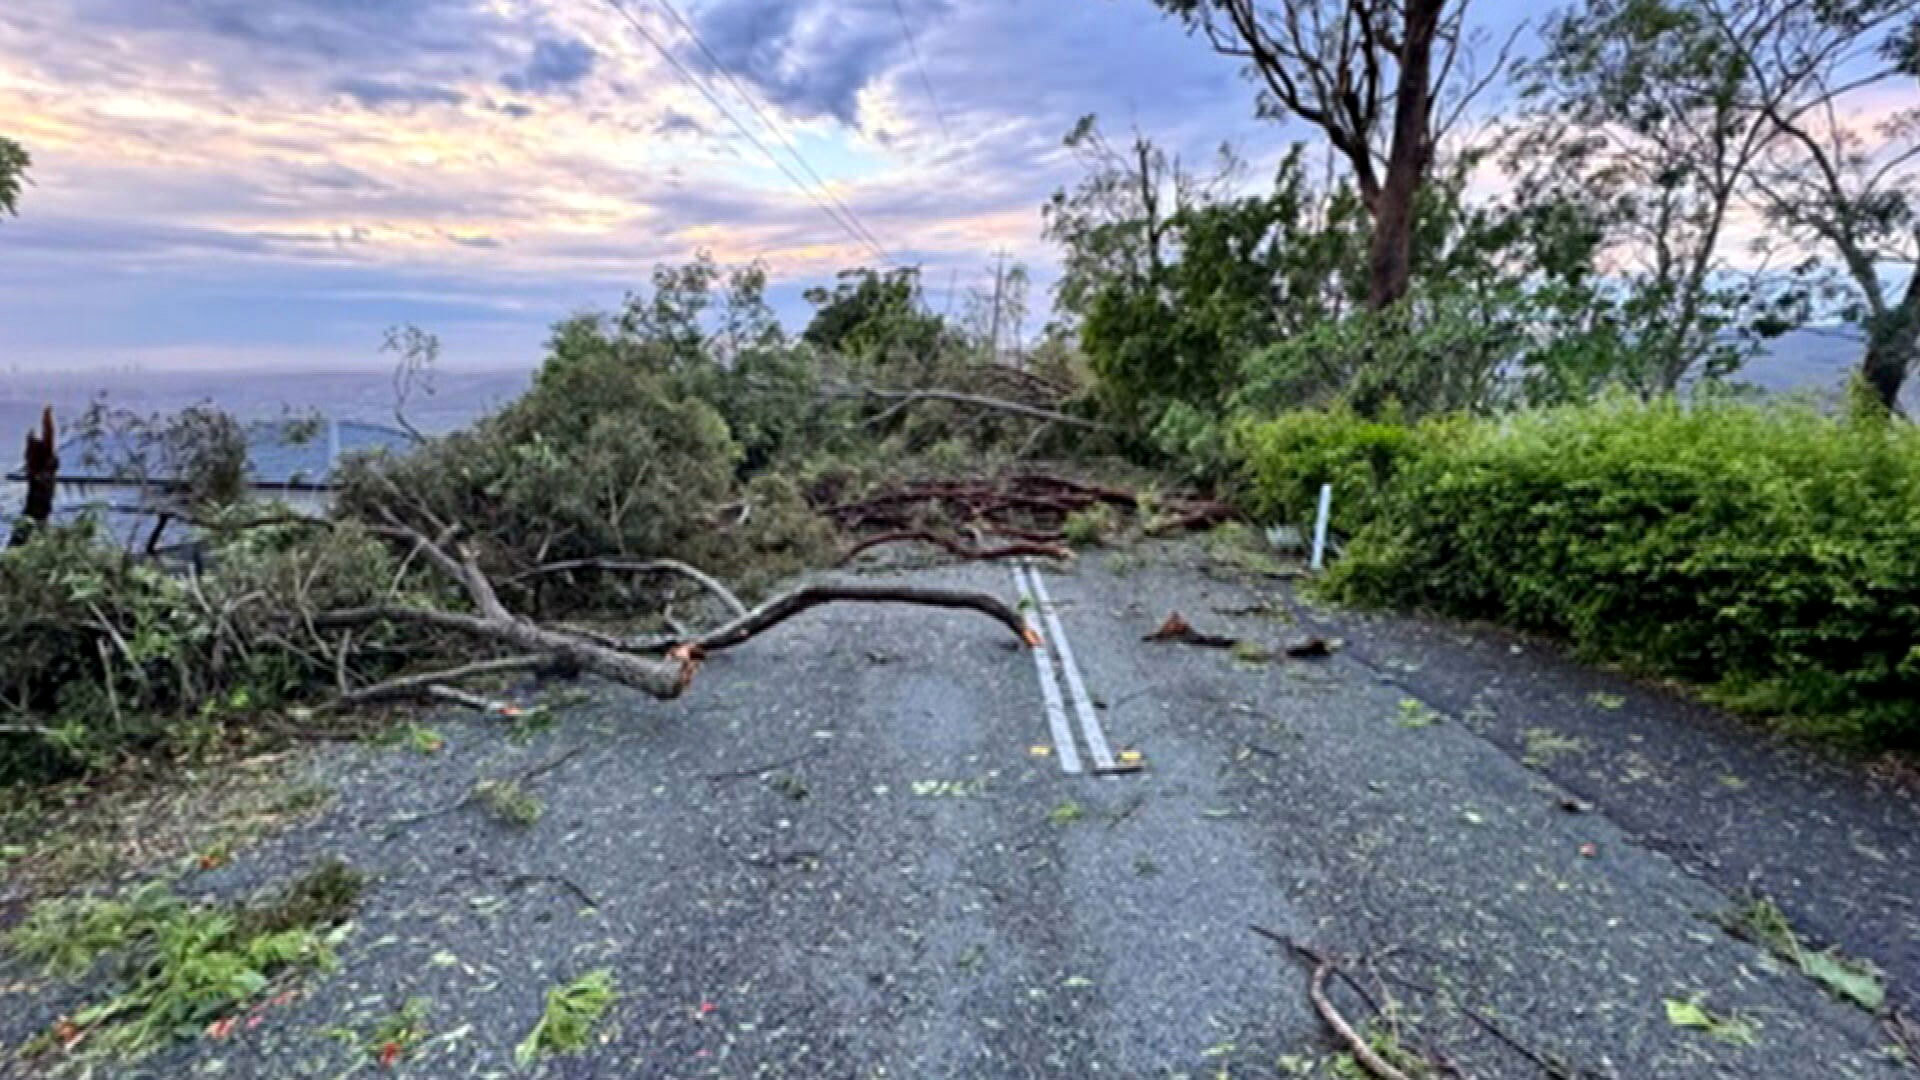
[(1082, 703), (1049, 689)]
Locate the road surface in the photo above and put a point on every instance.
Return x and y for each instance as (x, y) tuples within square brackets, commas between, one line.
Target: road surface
[(863, 846)]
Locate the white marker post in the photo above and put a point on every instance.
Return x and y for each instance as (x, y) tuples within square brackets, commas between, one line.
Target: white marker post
[(1320, 527)]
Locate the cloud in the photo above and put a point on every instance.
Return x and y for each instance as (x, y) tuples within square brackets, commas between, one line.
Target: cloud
[(811, 57), (380, 93), (555, 65), (675, 122)]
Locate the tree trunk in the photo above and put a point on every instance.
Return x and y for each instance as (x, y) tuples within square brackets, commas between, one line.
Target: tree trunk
[(1893, 341), (1391, 262), (43, 471)]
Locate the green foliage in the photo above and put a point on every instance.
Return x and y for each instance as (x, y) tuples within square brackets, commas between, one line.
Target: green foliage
[(109, 652), (179, 966), (567, 1022), (1285, 460), (508, 801), (14, 161), (1764, 550), (1090, 527)]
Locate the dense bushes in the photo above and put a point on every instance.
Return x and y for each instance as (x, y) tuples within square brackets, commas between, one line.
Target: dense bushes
[(1766, 550), (107, 652)]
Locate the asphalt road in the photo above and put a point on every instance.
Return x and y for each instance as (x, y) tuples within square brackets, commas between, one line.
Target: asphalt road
[(852, 851)]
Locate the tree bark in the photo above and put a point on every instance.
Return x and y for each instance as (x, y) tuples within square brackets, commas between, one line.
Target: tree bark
[(1390, 265), (1893, 342), (42, 471)]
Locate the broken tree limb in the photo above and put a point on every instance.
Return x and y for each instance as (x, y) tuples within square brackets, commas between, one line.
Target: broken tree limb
[(782, 608), (956, 548), (1362, 1051), (903, 399), (423, 685), (662, 679), (1176, 630), (648, 566), (42, 473)]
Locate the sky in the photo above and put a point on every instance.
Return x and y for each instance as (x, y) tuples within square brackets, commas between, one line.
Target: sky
[(270, 184)]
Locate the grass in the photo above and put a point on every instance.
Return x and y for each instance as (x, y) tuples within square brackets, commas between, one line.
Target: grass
[(1067, 813), (508, 802), (180, 969), (566, 1023)]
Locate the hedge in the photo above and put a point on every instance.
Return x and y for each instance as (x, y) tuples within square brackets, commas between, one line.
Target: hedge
[(1766, 550)]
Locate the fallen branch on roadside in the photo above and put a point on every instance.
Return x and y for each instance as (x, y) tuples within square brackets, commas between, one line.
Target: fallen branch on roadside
[(1176, 630), (902, 399), (545, 647), (1323, 966), (648, 566), (956, 548)]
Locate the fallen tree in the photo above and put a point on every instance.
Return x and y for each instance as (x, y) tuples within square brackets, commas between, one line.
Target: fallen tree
[(566, 649), (1033, 508)]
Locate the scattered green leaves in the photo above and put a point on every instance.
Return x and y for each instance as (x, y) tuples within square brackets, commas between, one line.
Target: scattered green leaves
[(1415, 714), (1610, 702), (572, 1011), (1693, 1013), (1763, 923), (508, 802), (936, 789), (1544, 746), (184, 968)]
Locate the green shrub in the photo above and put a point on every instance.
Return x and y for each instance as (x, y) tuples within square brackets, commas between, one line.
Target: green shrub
[(1767, 551), (1285, 460)]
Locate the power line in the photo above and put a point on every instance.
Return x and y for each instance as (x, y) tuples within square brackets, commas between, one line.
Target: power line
[(771, 124), (913, 48), (712, 99)]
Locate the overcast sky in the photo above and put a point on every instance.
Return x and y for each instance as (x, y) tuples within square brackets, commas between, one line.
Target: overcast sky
[(272, 182)]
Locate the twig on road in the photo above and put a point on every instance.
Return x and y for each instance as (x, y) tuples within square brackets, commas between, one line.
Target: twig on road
[(762, 770), (1323, 966)]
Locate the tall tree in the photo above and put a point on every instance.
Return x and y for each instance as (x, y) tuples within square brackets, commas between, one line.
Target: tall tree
[(1835, 175), (1636, 111), (13, 174), (1372, 76)]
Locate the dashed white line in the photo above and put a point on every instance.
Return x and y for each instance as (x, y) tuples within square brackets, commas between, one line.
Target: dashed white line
[(1082, 703), (1049, 689)]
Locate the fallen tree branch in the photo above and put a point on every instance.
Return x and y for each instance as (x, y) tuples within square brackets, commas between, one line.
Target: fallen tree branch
[(956, 548), (649, 566), (423, 685), (903, 399), (1323, 966), (781, 608), (665, 679)]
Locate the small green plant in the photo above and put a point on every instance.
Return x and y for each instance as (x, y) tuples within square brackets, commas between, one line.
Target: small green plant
[(508, 802), (1610, 702), (567, 1022), (182, 967), (1067, 813)]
